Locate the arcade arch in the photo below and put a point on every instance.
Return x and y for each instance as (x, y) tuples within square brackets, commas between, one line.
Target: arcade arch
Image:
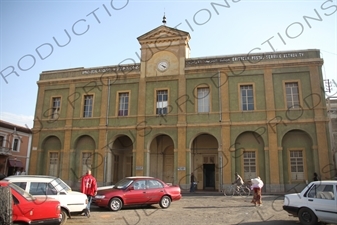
[(119, 159), (83, 157), (204, 161), (298, 155), (51, 153), (161, 157), (249, 156)]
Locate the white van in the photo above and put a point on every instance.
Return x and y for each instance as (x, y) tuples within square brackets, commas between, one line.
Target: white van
[(52, 187)]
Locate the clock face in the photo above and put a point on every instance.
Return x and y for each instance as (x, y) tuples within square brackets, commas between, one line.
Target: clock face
[(163, 65)]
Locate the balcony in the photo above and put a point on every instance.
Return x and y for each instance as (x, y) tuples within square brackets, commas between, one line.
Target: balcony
[(5, 151)]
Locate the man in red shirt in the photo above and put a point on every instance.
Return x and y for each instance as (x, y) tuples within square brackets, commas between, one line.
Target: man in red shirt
[(89, 187)]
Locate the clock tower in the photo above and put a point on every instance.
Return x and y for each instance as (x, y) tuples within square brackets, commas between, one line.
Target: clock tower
[(163, 54), (163, 51)]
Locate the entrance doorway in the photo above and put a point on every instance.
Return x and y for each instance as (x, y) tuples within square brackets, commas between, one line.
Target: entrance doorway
[(209, 176)]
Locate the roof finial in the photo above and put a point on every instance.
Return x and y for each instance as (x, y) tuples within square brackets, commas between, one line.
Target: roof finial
[(164, 19)]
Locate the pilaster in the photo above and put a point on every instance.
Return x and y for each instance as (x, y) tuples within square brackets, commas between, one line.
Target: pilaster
[(37, 128), (318, 105), (141, 130), (67, 169), (272, 149)]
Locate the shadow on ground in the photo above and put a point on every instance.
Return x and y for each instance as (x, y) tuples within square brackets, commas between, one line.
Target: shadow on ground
[(270, 222)]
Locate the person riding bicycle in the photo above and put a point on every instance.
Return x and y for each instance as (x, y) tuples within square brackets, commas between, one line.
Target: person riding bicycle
[(238, 181)]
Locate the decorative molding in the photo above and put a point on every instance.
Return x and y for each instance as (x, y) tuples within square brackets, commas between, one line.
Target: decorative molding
[(163, 34), (119, 68)]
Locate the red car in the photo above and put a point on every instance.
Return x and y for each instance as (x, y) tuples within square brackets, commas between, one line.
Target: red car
[(23, 208), (137, 191)]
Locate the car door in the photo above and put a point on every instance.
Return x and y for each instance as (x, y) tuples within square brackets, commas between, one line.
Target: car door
[(42, 189), (155, 191), (136, 193), (322, 200)]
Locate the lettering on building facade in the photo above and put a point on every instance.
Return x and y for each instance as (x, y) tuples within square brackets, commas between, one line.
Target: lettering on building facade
[(250, 58)]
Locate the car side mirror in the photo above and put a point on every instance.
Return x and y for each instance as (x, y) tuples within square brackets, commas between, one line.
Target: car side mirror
[(131, 188), (62, 193)]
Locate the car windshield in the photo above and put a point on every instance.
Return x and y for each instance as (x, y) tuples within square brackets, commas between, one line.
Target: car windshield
[(122, 184), (22, 192), (60, 185)]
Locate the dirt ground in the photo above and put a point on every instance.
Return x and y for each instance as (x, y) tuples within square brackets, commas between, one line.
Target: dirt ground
[(197, 209)]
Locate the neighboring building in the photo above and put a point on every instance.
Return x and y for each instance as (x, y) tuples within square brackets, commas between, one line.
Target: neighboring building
[(258, 114), (332, 114), (15, 145)]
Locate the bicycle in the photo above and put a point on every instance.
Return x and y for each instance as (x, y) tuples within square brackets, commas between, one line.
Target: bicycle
[(242, 190)]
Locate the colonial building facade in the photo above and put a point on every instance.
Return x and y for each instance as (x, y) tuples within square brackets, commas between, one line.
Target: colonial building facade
[(15, 146), (258, 114), (332, 114)]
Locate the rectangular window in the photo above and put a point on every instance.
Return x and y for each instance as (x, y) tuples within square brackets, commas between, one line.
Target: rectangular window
[(53, 164), (249, 165), (87, 108), (247, 97), (162, 102), (86, 162), (56, 107), (203, 100), (16, 145), (123, 104), (1, 141), (292, 95), (296, 165)]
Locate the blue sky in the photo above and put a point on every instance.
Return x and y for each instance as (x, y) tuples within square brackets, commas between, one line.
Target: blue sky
[(107, 34)]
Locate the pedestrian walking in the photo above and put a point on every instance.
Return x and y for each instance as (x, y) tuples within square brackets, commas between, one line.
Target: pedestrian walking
[(193, 183), (257, 185), (316, 178), (89, 187)]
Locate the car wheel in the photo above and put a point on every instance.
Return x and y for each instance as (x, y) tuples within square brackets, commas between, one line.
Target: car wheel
[(64, 216), (165, 202), (307, 217), (6, 205), (115, 204)]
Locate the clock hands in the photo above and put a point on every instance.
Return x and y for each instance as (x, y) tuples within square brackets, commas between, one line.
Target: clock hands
[(162, 66)]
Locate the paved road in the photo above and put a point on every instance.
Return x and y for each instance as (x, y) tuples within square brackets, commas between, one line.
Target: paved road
[(199, 208)]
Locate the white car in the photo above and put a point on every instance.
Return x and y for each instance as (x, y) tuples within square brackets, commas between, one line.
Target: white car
[(52, 187), (317, 202)]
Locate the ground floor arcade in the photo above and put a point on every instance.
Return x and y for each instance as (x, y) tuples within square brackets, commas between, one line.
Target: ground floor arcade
[(282, 161)]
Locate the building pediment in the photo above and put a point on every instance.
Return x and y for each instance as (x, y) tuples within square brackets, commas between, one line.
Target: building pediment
[(162, 34)]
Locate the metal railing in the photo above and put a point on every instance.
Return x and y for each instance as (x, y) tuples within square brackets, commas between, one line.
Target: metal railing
[(5, 151)]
